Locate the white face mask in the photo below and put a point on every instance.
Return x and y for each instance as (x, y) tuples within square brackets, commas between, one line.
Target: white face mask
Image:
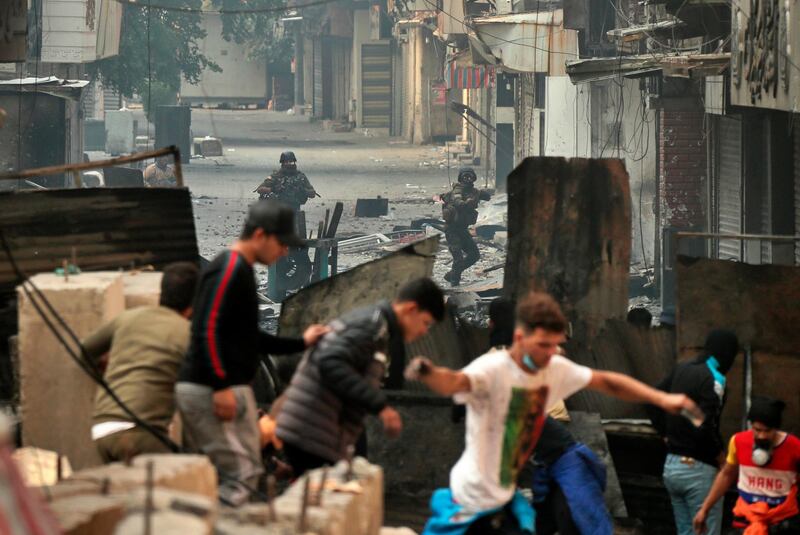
[(762, 453)]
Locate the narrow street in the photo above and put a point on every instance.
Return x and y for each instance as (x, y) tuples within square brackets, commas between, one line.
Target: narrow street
[(341, 166), (425, 268)]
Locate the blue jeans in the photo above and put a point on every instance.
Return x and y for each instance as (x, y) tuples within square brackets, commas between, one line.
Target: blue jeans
[(688, 485)]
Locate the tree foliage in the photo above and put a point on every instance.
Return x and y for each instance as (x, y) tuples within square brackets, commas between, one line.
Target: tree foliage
[(258, 31), (173, 41)]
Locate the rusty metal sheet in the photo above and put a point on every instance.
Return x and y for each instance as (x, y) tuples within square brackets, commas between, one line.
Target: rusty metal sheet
[(380, 279), (363, 285), (569, 228), (108, 229), (761, 304), (547, 43), (646, 354)]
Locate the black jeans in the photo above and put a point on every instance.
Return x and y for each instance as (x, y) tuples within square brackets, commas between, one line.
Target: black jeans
[(301, 461), (553, 515), (502, 522)]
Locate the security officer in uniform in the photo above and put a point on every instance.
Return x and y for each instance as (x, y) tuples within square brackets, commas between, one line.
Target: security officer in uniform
[(460, 210), (287, 184), (292, 187)]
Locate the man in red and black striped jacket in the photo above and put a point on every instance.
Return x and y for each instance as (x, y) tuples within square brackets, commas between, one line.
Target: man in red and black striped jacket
[(213, 392)]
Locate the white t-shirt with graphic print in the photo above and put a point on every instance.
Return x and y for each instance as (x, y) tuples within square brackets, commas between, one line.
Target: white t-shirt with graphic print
[(505, 410)]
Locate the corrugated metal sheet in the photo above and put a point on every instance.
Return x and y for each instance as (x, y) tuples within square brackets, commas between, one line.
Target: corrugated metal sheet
[(372, 282), (646, 354), (525, 42), (108, 228), (761, 304)]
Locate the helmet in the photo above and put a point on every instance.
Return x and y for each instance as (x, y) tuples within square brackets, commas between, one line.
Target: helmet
[(287, 157), (467, 174)]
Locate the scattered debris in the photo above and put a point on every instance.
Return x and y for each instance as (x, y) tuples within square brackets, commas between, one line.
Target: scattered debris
[(372, 207)]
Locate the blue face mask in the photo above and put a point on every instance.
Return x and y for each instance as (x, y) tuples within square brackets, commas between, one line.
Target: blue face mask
[(528, 362)]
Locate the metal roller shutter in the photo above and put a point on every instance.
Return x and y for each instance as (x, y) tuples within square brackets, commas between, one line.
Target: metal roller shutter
[(797, 195), (729, 177), (376, 85), (318, 95)]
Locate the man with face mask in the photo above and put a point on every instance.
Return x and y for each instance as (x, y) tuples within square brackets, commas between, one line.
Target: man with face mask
[(460, 210), (508, 393), (695, 454), (766, 461), (213, 392)]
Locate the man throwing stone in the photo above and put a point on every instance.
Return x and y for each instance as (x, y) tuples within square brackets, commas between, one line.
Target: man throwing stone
[(508, 394)]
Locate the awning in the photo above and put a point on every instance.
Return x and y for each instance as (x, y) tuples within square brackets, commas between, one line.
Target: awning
[(634, 33), (524, 42), (676, 65), (50, 85), (468, 77)]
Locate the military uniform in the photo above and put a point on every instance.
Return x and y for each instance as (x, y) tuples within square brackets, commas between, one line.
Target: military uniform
[(292, 187), (158, 177), (460, 210), (287, 185)]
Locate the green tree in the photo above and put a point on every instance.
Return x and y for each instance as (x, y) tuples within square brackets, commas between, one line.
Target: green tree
[(259, 31), (153, 62)]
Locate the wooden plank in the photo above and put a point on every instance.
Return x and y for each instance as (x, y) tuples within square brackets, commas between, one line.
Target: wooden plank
[(337, 216)]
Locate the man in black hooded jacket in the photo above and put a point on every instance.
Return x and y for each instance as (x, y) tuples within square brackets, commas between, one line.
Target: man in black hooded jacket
[(694, 454)]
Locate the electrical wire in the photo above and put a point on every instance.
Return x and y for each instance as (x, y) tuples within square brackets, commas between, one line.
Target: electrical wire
[(501, 39), (273, 9)]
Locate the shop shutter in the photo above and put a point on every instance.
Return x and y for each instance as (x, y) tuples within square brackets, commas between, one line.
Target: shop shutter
[(376, 85), (729, 185)]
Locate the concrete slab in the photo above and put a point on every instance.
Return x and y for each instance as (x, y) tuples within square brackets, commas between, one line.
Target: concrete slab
[(163, 523), (142, 288), (88, 514), (55, 394), (40, 467), (340, 513), (186, 473), (111, 499)]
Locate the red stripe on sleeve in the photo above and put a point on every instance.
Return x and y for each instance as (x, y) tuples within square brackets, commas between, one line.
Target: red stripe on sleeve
[(211, 325)]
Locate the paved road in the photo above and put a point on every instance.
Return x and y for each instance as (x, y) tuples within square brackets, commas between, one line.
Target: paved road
[(340, 165)]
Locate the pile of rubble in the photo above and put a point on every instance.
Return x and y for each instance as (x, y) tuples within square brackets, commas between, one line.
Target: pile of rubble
[(177, 494)]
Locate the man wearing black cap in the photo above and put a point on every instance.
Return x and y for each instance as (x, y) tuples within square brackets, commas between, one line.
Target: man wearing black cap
[(766, 462), (694, 454), (213, 392)]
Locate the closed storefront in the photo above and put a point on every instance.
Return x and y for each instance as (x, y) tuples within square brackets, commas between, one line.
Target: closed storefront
[(376, 84), (797, 196), (727, 184)]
